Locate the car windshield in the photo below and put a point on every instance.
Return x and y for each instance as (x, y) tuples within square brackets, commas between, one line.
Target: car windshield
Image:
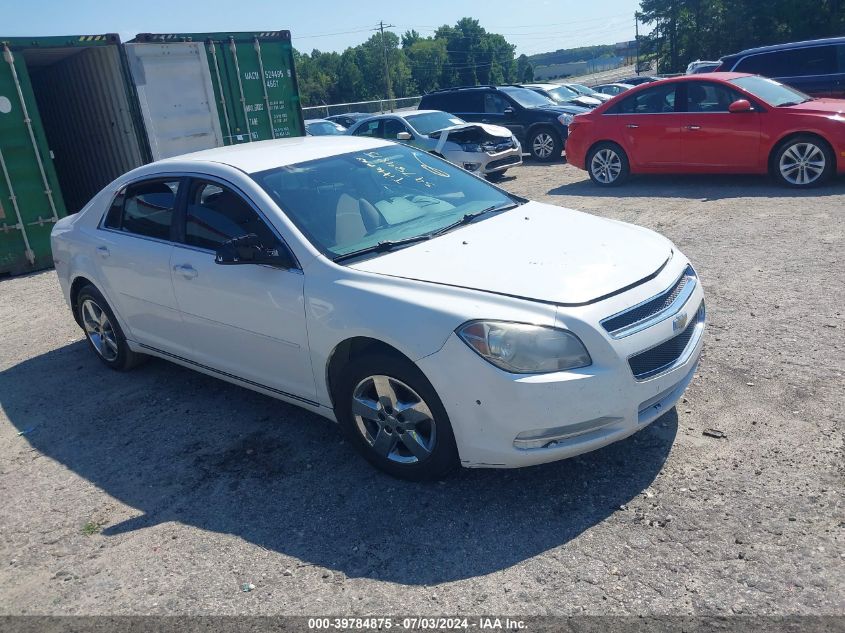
[(432, 121), (350, 202), (527, 98), (770, 91), (562, 94), (323, 128), (583, 89)]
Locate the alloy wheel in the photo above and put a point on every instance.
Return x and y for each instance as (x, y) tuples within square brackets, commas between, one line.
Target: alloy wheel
[(99, 329), (606, 166), (393, 419), (543, 145), (802, 163)]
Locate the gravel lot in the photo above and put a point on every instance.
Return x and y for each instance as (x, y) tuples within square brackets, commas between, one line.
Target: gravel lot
[(163, 491)]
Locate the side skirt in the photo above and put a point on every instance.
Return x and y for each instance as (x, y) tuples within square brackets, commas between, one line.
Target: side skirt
[(290, 398)]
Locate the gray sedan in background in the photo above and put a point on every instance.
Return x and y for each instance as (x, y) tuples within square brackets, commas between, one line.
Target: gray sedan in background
[(483, 149)]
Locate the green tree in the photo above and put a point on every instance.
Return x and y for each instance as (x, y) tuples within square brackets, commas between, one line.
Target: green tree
[(524, 69), (426, 59), (685, 30), (350, 80)]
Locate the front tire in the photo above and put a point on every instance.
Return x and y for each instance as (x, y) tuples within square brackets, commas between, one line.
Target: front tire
[(545, 145), (608, 165), (395, 419), (103, 332), (802, 162)]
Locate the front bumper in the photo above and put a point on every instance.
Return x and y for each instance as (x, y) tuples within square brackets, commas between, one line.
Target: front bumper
[(493, 412), (484, 163)]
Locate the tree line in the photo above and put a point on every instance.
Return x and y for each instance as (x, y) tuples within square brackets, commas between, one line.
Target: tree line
[(463, 54), (687, 30)]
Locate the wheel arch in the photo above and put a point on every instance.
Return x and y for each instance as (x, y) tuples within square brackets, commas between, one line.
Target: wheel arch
[(546, 125), (605, 140), (786, 137), (75, 287), (348, 350)]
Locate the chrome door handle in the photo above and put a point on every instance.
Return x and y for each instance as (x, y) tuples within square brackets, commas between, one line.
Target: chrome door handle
[(103, 251), (693, 127), (632, 126), (186, 270)]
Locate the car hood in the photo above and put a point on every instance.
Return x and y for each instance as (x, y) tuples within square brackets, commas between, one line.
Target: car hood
[(584, 101), (561, 109), (819, 106), (482, 129), (536, 251)]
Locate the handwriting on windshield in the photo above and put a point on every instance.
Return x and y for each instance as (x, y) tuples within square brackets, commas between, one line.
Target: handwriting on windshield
[(398, 173)]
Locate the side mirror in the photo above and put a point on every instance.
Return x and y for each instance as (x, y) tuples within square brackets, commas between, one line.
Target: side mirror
[(247, 249), (404, 136), (741, 105), (508, 112)]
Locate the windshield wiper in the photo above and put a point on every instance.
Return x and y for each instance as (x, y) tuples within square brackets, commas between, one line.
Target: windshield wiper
[(469, 217), (383, 246), (792, 103), (389, 245)]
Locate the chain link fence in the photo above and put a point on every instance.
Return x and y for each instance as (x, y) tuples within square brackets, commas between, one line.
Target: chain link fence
[(374, 107)]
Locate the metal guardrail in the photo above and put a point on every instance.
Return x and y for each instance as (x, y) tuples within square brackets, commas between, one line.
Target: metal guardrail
[(376, 107)]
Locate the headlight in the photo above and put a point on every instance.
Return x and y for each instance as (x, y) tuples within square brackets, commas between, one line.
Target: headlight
[(471, 147), (520, 348), (565, 119)]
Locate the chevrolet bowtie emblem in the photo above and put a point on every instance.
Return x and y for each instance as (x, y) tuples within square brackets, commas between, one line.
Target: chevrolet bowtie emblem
[(679, 322)]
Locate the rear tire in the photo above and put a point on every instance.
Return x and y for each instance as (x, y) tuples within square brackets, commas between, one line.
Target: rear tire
[(103, 332), (545, 145), (393, 416), (607, 164), (802, 162)]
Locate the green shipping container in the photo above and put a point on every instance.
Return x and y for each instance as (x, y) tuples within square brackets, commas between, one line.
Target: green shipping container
[(248, 79), (78, 111), (66, 130)]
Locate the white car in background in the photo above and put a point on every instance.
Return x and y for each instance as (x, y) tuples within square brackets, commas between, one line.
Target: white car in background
[(483, 149), (438, 319)]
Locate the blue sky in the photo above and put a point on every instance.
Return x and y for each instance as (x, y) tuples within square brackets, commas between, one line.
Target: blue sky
[(535, 26)]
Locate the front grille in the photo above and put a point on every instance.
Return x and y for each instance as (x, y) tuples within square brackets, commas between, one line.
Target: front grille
[(496, 147), (660, 358), (619, 324), (502, 162)]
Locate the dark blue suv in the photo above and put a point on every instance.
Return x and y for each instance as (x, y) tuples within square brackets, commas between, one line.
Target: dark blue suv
[(540, 124), (816, 67)]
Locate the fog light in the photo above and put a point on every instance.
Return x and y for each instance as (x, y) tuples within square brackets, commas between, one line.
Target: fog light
[(551, 438), (472, 166)]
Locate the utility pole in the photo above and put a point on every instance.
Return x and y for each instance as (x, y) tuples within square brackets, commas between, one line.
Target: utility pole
[(381, 27), (637, 40)]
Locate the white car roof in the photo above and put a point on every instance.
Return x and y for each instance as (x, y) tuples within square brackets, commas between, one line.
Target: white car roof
[(261, 155)]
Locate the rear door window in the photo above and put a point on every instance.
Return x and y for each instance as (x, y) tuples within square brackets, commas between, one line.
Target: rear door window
[(144, 209), (494, 104), (797, 62), (369, 128), (657, 100), (466, 101)]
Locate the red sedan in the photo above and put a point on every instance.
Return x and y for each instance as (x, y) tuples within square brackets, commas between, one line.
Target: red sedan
[(720, 123)]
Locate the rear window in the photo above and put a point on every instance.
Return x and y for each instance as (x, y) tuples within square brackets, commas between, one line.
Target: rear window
[(454, 102), (797, 62), (144, 209), (657, 100)]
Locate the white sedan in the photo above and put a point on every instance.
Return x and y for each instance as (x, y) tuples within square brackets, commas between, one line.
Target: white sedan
[(438, 319)]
